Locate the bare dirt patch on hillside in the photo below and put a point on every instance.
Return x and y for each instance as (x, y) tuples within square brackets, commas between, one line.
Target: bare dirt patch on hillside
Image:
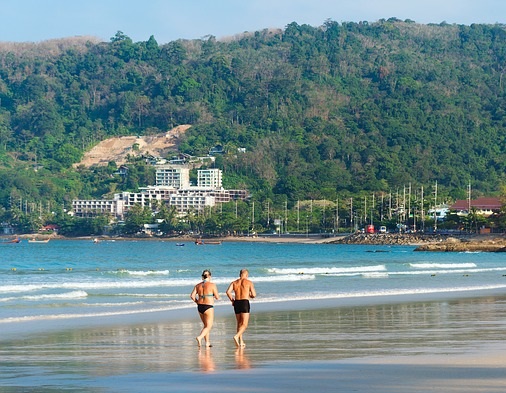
[(117, 149)]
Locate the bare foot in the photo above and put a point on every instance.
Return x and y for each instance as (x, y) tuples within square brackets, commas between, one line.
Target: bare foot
[(236, 340), (199, 341)]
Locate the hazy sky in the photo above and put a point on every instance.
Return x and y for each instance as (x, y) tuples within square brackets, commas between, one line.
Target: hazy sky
[(168, 20)]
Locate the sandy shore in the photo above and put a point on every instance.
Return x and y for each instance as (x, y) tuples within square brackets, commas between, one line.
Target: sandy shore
[(463, 374), (464, 242), (428, 345)]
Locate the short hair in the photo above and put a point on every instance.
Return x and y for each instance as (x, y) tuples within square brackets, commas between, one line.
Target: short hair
[(243, 271)]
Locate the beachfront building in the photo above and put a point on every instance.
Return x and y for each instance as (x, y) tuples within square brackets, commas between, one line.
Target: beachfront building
[(173, 188), (94, 207), (484, 206)]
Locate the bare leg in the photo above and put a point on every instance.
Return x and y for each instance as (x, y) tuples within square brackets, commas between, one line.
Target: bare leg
[(207, 319), (237, 338), (242, 324)]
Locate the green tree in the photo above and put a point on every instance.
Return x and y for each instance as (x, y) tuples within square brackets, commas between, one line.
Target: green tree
[(135, 219)]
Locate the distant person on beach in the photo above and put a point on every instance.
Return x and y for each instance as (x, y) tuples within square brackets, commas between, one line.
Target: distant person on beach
[(239, 292), (204, 294)]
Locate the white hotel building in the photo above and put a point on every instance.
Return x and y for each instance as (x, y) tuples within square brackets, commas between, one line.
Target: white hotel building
[(172, 187)]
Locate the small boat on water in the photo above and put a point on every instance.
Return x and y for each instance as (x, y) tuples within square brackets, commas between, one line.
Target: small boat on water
[(180, 244), (200, 242), (212, 242), (13, 241), (38, 240)]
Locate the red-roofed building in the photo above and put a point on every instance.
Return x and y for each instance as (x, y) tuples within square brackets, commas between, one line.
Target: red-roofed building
[(484, 206), (49, 228)]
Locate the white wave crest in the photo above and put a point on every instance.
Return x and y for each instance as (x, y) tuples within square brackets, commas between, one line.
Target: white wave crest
[(375, 275), (451, 271), (52, 296), (143, 273), (442, 265), (328, 270), (385, 292), (287, 277)]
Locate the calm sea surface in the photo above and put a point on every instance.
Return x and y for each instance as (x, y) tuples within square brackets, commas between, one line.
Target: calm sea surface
[(65, 279)]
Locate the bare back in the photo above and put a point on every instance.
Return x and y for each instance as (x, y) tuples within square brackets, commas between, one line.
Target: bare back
[(205, 293), (242, 288)]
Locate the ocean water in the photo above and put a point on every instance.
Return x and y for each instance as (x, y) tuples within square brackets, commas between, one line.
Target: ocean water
[(116, 316), (69, 279)]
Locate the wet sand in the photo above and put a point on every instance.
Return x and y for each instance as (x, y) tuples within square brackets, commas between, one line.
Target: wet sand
[(414, 346), (461, 374)]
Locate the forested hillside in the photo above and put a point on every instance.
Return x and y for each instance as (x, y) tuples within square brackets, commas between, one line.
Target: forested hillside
[(322, 112)]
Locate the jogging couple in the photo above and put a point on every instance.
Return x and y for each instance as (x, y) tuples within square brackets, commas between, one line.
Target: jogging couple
[(239, 292)]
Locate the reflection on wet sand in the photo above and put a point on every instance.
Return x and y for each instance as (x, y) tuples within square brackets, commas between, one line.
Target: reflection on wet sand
[(241, 360), (206, 360), (410, 328)]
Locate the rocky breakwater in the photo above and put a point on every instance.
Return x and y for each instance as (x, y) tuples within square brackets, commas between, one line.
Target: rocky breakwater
[(390, 238), (471, 244), (430, 242)]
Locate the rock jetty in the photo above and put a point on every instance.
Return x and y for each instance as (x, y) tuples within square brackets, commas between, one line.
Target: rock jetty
[(430, 242), (466, 245), (390, 238)]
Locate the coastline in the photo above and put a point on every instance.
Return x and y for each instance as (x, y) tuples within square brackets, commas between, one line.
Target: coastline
[(382, 340), (422, 242), (408, 346)]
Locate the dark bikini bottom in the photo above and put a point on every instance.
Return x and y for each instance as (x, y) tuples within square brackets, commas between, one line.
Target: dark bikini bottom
[(202, 308)]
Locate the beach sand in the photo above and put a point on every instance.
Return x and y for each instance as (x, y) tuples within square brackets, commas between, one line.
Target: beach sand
[(452, 345)]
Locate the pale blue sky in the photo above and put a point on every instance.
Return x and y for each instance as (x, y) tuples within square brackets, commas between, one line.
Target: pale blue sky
[(168, 20)]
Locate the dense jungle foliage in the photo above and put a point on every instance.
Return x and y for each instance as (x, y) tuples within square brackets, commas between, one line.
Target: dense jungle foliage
[(328, 112)]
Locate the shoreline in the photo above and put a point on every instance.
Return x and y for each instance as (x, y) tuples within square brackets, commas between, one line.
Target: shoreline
[(389, 347), (413, 239), (186, 314), (422, 242)]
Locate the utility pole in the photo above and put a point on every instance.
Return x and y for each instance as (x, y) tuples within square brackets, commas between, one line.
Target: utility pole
[(253, 216), (435, 205), (351, 214), (337, 215), (286, 215), (409, 203), (469, 198), (298, 215)]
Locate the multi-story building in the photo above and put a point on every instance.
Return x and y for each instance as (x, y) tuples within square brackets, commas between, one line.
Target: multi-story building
[(90, 208), (177, 176), (191, 202), (173, 187), (137, 198), (209, 178)]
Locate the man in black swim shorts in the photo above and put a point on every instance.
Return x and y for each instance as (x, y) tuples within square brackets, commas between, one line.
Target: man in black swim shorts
[(239, 292), (241, 306)]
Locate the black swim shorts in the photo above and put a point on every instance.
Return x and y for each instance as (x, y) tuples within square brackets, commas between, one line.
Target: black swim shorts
[(241, 306)]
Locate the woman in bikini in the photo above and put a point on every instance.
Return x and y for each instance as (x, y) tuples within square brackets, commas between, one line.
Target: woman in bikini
[(204, 294)]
